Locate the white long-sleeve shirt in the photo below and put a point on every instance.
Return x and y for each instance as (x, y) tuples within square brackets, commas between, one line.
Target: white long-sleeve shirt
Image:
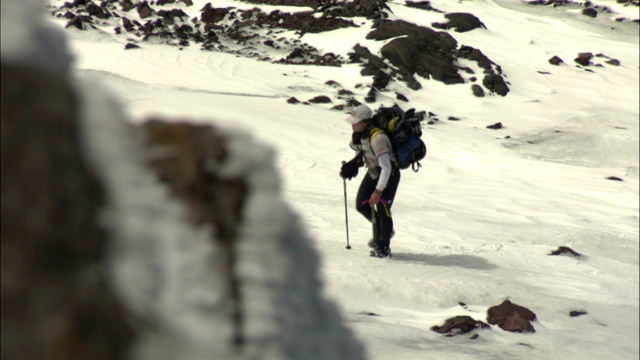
[(378, 156)]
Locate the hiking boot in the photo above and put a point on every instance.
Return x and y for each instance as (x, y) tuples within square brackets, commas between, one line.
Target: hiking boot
[(372, 243), (382, 252)]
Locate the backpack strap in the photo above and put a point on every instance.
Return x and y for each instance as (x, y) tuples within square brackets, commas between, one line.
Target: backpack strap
[(375, 131)]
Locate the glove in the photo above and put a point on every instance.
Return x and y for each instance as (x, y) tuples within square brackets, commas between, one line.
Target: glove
[(349, 169)]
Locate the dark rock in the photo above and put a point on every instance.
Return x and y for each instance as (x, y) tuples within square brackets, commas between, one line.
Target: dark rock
[(414, 55), (308, 23), (495, 83), (69, 15), (421, 50), (55, 299), (293, 100), (461, 22), (381, 80), (127, 24), (591, 12), (614, 178), (453, 118), (424, 5), (584, 58), (511, 317), (577, 313), (131, 46), (97, 11), (126, 5), (296, 53), (555, 60), (169, 15), (477, 90), (614, 62), (211, 15), (320, 99), (492, 80), (144, 10), (402, 98), (565, 250), (476, 55), (353, 102), (81, 22), (460, 325), (495, 126)]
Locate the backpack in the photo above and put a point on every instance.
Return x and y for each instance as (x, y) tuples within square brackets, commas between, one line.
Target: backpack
[(404, 131)]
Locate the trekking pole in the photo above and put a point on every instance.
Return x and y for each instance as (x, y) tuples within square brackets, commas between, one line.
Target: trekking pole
[(346, 217)]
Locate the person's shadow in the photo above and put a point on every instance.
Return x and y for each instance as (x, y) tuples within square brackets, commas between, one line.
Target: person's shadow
[(464, 261)]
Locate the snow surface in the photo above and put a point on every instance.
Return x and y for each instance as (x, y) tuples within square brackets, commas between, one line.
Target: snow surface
[(477, 223)]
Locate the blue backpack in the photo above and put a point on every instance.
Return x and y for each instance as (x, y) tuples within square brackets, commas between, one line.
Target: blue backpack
[(405, 131)]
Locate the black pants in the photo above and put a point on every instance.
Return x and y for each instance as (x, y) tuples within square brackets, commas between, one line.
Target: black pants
[(383, 227)]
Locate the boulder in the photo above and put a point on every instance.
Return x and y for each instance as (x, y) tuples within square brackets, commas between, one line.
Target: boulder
[(511, 317), (460, 22)]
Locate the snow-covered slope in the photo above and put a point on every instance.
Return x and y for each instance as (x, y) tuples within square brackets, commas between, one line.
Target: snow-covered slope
[(477, 223)]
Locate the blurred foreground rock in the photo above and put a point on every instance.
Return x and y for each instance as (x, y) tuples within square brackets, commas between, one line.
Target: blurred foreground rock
[(55, 300), (164, 241)]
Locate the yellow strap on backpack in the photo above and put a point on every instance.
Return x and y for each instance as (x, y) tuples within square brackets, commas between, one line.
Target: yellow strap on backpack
[(377, 131), (392, 124)]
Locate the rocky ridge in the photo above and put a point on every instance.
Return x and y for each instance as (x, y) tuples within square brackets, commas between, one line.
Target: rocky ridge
[(413, 53)]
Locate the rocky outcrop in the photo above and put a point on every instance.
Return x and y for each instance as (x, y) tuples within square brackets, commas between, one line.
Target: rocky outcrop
[(420, 51)]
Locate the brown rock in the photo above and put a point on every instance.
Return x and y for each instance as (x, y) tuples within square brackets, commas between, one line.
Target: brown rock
[(555, 60), (584, 58), (189, 169), (511, 317), (144, 10)]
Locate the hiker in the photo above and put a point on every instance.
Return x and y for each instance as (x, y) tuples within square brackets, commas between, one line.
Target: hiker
[(378, 188)]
